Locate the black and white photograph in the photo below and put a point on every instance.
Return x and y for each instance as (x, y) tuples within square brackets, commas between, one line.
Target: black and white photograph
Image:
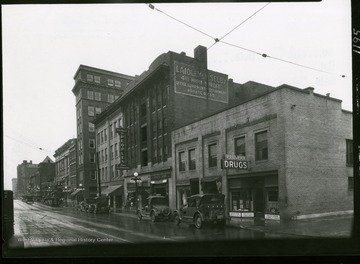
[(175, 129)]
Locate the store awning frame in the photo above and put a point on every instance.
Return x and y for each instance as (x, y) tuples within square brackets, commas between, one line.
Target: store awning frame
[(76, 192), (113, 190)]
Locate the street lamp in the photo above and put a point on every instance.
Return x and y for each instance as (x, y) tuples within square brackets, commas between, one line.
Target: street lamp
[(83, 189), (136, 180)]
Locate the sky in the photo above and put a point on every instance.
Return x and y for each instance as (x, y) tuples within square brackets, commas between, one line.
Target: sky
[(43, 46)]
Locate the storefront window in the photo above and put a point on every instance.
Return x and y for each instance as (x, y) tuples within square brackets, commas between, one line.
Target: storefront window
[(241, 200), (272, 205)]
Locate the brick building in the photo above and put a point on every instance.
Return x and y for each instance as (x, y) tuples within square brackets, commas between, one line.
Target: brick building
[(294, 147), (24, 171), (14, 188), (46, 176), (94, 89), (65, 169), (175, 90)]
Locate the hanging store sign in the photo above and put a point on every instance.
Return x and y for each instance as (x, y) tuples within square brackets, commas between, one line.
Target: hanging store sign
[(122, 150), (234, 162), (200, 82)]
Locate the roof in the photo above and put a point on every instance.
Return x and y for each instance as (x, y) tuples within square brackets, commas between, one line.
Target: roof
[(47, 160)]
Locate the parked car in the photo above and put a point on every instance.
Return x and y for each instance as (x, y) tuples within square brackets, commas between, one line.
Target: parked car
[(29, 200), (202, 208), (100, 205), (157, 208)]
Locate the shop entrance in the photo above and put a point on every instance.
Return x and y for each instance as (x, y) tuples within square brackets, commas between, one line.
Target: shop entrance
[(259, 205)]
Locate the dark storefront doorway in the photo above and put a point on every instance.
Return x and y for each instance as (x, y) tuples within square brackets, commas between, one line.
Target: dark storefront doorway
[(194, 186), (259, 205)]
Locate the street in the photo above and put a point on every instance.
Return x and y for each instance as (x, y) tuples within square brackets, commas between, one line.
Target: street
[(38, 225)]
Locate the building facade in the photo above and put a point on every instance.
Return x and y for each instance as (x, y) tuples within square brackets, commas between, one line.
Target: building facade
[(65, 169), (14, 188), (94, 89), (24, 171), (175, 90), (286, 154), (46, 177)]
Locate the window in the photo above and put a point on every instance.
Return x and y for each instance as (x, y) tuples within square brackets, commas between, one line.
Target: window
[(97, 110), (116, 150), (192, 161), (349, 152), (112, 172), (91, 127), (97, 96), (164, 95), (144, 133), (91, 111), (102, 156), (261, 149), (153, 123), (106, 154), (117, 83), (111, 131), (164, 122), (89, 77), (153, 101), (92, 143), (143, 109), (92, 157), (182, 161), (102, 137), (98, 138), (105, 134), (90, 95), (111, 152), (111, 98), (144, 158), (350, 183), (241, 200), (92, 175), (110, 82), (240, 146), (212, 156), (106, 174), (159, 127), (97, 79), (159, 99)]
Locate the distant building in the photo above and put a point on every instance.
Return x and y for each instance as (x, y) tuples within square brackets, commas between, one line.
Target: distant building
[(286, 154), (175, 90), (95, 89), (65, 169), (14, 187), (46, 176), (24, 171)]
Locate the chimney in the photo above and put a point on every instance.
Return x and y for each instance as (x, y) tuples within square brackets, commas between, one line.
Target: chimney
[(310, 90), (200, 54), (328, 94)]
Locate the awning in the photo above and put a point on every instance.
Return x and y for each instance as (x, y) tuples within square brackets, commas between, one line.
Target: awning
[(211, 179), (159, 181), (113, 190), (76, 192)]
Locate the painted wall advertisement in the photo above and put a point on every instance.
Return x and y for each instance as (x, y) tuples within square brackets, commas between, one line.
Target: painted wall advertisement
[(200, 82)]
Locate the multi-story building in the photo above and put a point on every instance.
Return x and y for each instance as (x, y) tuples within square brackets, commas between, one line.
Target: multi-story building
[(285, 154), (46, 177), (34, 186), (65, 168), (24, 171), (14, 187), (94, 89), (175, 90)]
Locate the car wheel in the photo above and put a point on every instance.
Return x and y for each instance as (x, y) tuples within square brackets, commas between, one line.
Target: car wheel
[(139, 216), (177, 219), (198, 221), (152, 216)]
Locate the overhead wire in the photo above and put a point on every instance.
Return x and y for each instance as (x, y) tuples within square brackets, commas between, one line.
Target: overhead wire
[(264, 55), (217, 40), (28, 144)]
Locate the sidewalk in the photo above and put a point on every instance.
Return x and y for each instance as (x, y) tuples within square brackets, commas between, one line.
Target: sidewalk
[(330, 226)]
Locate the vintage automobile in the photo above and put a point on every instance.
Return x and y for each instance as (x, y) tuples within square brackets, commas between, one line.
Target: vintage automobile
[(157, 208), (202, 208), (100, 205)]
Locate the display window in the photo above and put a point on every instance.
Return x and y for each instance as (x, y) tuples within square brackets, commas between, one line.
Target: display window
[(241, 200), (272, 203)]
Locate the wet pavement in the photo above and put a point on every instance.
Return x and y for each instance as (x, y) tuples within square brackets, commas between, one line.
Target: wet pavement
[(40, 225)]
